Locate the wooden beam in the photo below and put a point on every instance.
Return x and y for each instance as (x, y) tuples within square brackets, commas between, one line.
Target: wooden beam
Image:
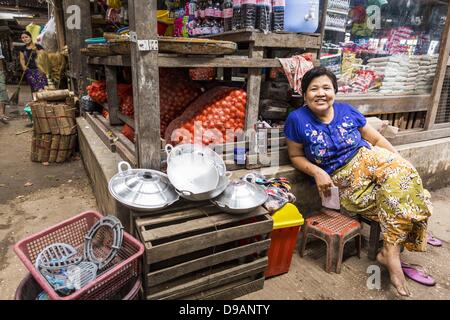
[(225, 62), (145, 85), (118, 61), (113, 98), (415, 135), (441, 68), (323, 19), (376, 104), (58, 13), (75, 41)]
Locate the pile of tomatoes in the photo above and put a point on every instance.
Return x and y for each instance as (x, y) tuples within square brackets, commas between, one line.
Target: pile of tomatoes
[(226, 112), (97, 91), (176, 93)]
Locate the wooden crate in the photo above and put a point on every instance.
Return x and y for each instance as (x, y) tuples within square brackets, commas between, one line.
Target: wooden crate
[(203, 253)]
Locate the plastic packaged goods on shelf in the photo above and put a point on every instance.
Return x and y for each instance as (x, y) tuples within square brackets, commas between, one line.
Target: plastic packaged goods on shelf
[(278, 7), (263, 15), (248, 14), (228, 15), (237, 12)]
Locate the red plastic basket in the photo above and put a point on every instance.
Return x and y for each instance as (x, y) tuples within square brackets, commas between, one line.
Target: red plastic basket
[(125, 265)]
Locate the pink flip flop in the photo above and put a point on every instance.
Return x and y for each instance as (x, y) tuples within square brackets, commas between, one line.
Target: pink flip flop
[(416, 273), (431, 240)]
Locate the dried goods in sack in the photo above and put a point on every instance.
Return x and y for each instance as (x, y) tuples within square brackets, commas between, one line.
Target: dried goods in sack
[(177, 91), (216, 111)]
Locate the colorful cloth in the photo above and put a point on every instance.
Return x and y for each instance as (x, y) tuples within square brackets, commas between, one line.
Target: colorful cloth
[(377, 182), (3, 93), (330, 146), (295, 68), (36, 79)]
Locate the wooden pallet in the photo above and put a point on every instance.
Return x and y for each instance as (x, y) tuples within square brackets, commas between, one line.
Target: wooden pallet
[(203, 253)]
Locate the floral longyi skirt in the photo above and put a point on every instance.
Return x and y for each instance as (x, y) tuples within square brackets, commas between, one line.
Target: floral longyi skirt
[(379, 182)]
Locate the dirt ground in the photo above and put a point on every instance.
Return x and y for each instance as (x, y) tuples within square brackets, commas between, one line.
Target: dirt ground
[(53, 194), (62, 191)]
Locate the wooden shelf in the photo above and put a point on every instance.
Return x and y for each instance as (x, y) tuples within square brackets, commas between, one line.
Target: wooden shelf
[(369, 104), (129, 121), (178, 61), (226, 62), (335, 29), (338, 11), (272, 39)]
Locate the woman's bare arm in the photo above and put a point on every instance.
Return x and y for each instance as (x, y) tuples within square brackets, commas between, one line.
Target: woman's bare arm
[(22, 61), (299, 161), (375, 138)]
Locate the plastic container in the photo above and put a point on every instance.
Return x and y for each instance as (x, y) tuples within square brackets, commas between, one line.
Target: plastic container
[(125, 266), (286, 226), (301, 16), (29, 289)]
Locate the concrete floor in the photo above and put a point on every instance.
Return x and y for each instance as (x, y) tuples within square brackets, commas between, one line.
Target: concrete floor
[(62, 191)]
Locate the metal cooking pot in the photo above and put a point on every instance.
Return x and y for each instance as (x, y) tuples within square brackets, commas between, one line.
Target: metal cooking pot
[(193, 169), (241, 196), (142, 189), (223, 183)]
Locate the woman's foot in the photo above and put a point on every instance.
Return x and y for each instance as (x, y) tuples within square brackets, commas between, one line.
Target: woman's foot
[(390, 257)]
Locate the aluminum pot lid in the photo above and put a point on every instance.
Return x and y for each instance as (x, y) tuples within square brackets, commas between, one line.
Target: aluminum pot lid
[(142, 188), (242, 194)]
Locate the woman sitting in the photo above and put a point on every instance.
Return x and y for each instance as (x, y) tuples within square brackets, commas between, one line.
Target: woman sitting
[(332, 142)]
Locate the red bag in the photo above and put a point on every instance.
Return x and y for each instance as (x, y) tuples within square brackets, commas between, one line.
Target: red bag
[(216, 111), (128, 132), (97, 91)]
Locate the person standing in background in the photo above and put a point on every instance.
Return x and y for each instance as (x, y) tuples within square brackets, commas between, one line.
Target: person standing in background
[(3, 93), (28, 55)]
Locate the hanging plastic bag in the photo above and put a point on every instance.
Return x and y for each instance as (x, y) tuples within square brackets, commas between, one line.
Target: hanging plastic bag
[(47, 38)]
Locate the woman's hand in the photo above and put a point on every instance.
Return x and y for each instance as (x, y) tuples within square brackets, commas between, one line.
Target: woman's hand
[(324, 183)]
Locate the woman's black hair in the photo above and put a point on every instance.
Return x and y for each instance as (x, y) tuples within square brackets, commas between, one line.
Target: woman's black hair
[(27, 33), (318, 72)]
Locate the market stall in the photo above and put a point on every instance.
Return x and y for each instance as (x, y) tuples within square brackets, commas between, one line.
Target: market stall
[(137, 89)]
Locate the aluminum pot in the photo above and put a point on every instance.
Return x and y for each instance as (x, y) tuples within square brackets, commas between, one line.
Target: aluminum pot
[(241, 196), (193, 169), (223, 183), (142, 189)]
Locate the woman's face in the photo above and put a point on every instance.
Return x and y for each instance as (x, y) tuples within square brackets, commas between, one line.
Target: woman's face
[(26, 39), (320, 95)]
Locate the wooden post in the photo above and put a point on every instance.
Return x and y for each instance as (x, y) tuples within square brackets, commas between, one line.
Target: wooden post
[(253, 91), (441, 68), (113, 98), (145, 85), (57, 11), (75, 41)]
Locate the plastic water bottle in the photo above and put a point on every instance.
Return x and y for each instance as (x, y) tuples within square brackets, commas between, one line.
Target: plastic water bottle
[(237, 14), (263, 14), (228, 15), (278, 7), (248, 14)]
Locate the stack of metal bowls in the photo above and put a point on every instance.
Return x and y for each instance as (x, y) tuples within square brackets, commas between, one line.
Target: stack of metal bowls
[(197, 172)]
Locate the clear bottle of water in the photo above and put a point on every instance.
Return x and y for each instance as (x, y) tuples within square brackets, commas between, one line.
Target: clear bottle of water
[(237, 14), (228, 15), (248, 14), (278, 7)]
